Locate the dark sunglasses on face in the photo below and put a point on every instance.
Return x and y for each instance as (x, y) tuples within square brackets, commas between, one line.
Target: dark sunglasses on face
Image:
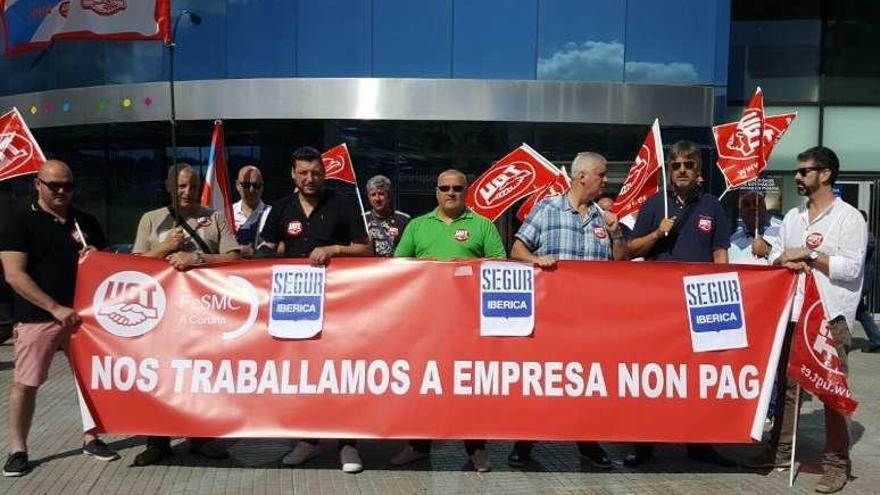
[(804, 171), (688, 165), (58, 186), (446, 188), (250, 185)]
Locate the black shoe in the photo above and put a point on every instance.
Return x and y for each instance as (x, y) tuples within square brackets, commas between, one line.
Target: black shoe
[(152, 454), (596, 455), (709, 455), (16, 465), (99, 450), (518, 459), (637, 459)]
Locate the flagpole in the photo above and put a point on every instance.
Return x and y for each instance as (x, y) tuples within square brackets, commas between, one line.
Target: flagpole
[(361, 203), (797, 418)]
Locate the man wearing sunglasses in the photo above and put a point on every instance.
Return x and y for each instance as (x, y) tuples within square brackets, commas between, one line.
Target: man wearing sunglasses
[(449, 232), (319, 224), (250, 212), (695, 231), (40, 250), (829, 238), (571, 226)]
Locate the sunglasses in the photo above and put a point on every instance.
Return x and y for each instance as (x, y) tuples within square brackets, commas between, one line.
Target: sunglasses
[(447, 188), (58, 186), (688, 165), (250, 185), (804, 171)]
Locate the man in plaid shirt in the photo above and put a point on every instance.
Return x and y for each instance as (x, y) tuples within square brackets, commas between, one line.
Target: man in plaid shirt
[(571, 226)]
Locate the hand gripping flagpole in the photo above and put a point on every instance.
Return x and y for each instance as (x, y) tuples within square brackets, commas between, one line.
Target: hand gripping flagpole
[(797, 419)]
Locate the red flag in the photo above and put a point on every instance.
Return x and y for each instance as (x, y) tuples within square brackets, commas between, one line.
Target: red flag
[(522, 172), (19, 152), (642, 181), (215, 190), (814, 362), (741, 155), (337, 164), (774, 127), (561, 184)]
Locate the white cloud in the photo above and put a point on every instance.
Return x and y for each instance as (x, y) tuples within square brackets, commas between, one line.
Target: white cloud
[(603, 61)]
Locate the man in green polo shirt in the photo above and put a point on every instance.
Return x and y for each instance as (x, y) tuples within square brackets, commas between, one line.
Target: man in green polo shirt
[(449, 232)]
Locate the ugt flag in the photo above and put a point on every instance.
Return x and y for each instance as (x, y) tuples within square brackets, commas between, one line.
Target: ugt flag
[(814, 362), (741, 155), (337, 164), (642, 181), (560, 185), (215, 191), (33, 24), (774, 127), (522, 172), (19, 152)]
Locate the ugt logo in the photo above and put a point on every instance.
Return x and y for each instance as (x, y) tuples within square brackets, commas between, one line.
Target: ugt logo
[(495, 189), (129, 304), (332, 165), (747, 137), (15, 150)]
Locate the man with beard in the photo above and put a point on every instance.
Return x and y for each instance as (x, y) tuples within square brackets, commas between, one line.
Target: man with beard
[(40, 249), (695, 231), (827, 237), (320, 224), (205, 237), (385, 223)]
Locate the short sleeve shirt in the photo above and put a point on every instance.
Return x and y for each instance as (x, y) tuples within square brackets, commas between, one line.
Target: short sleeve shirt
[(52, 250), (385, 233), (468, 236), (700, 228), (335, 220), (210, 225), (554, 228)]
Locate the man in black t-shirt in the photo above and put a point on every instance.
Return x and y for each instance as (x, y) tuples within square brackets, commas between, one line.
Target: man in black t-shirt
[(40, 248), (318, 224)]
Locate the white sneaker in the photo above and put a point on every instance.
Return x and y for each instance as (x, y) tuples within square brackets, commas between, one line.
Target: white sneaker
[(480, 460), (407, 455), (350, 460), (300, 454)]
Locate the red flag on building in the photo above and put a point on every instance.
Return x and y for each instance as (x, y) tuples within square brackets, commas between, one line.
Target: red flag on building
[(19, 152), (522, 172), (814, 362), (741, 155), (215, 190), (642, 181), (337, 164), (560, 185)]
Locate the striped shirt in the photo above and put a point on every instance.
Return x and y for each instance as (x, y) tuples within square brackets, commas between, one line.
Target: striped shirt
[(554, 228)]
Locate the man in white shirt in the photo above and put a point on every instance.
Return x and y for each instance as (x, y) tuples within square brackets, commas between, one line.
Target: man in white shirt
[(746, 247), (249, 212), (827, 237)]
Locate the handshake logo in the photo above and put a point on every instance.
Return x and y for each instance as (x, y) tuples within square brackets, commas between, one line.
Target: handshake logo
[(129, 304)]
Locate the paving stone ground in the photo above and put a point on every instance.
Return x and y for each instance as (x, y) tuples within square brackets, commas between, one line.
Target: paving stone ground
[(255, 465)]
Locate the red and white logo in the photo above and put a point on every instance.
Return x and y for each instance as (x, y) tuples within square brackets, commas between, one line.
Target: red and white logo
[(332, 165), (294, 228), (393, 231), (103, 7), (203, 221), (129, 303), (814, 240), (462, 235), (704, 223), (495, 189), (747, 138), (64, 8), (821, 348), (600, 232), (15, 150)]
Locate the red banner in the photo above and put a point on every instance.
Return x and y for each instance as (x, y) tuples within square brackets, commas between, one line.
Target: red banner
[(814, 362), (741, 155), (19, 152), (337, 164), (207, 352), (561, 184), (642, 181), (521, 172)]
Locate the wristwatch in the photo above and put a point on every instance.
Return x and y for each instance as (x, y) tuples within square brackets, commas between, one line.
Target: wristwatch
[(813, 256)]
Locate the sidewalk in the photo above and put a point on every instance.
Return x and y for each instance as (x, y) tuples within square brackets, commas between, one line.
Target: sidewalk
[(255, 465)]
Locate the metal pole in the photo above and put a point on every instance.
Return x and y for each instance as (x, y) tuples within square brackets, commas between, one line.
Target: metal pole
[(797, 418), (174, 201)]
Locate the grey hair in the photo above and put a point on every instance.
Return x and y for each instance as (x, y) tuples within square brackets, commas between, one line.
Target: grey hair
[(584, 159), (181, 167), (379, 182)]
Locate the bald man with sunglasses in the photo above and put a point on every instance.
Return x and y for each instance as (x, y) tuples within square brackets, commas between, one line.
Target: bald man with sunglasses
[(250, 212)]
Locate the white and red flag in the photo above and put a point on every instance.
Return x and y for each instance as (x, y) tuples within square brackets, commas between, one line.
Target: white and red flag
[(642, 181), (34, 24), (338, 165), (741, 155), (215, 190), (561, 184), (522, 172), (774, 127), (814, 362), (19, 152)]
